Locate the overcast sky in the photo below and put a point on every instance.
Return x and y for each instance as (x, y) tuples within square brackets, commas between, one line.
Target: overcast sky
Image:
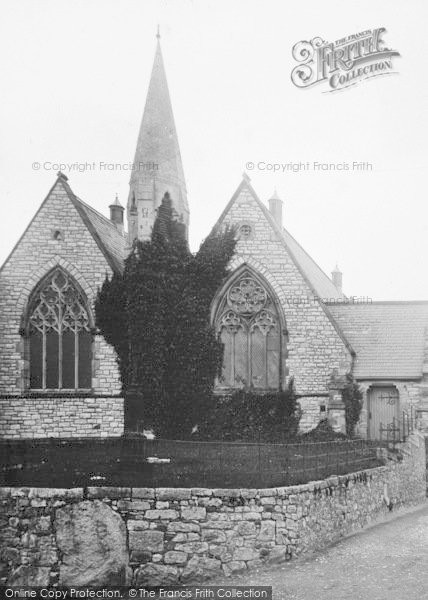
[(74, 80)]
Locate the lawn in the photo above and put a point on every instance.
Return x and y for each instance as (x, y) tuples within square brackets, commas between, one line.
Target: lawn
[(124, 462)]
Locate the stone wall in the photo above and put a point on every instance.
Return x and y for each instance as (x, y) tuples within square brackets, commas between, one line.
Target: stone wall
[(165, 535), (37, 253), (314, 349), (60, 417), (32, 258), (313, 409)]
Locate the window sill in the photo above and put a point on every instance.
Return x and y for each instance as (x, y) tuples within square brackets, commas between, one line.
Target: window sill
[(57, 395), (63, 393), (227, 391)]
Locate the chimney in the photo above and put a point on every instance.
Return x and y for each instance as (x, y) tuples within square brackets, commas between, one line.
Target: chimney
[(336, 277), (275, 208), (116, 214)]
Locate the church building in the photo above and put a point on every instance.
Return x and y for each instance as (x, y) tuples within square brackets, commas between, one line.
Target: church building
[(278, 314)]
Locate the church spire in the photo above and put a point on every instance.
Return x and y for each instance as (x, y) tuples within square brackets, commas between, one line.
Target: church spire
[(157, 164)]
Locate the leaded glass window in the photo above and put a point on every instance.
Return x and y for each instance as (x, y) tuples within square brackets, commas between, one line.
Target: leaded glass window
[(248, 323), (59, 335)]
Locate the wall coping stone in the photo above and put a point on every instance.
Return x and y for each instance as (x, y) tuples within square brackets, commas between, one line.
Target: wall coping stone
[(184, 527), (117, 493)]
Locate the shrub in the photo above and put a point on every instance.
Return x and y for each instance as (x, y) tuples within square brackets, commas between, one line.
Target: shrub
[(252, 416), (323, 432), (352, 398)]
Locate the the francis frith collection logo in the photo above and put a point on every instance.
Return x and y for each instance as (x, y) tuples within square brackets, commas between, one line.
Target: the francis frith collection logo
[(342, 63)]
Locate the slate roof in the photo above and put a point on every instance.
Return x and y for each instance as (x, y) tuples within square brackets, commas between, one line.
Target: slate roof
[(110, 240), (105, 233), (323, 285), (388, 337)]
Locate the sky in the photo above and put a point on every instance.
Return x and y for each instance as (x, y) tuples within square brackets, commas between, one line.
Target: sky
[(73, 85)]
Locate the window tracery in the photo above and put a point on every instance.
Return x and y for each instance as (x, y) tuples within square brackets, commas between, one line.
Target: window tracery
[(59, 335), (248, 324)]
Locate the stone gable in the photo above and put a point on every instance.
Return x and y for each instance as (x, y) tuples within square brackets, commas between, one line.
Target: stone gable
[(55, 236), (315, 347)]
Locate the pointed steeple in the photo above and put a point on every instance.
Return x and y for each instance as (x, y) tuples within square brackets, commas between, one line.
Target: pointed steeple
[(157, 164)]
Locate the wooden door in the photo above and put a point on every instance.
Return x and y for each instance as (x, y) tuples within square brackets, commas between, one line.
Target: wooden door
[(383, 406)]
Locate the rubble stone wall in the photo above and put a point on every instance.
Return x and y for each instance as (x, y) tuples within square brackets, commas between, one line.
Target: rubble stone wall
[(160, 536)]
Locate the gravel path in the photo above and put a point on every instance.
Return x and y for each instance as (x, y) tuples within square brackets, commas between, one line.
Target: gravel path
[(386, 562)]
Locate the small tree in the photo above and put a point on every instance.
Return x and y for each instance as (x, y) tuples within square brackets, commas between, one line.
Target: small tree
[(352, 398), (154, 282), (168, 352), (196, 353)]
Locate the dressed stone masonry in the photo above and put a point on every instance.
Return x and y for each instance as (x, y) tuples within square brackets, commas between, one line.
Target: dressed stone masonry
[(309, 329), (315, 352), (79, 252), (61, 417), (148, 536)]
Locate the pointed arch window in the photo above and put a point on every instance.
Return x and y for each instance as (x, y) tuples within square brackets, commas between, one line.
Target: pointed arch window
[(248, 323), (60, 340)]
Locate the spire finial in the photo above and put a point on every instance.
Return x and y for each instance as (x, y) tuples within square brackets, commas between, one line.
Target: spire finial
[(158, 33), (157, 139), (275, 195), (116, 202)]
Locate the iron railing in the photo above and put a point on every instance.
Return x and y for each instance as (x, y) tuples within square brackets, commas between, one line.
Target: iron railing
[(136, 461), (399, 429)]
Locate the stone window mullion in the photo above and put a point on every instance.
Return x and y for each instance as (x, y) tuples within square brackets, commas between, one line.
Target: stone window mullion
[(60, 349), (44, 359), (76, 357), (232, 355), (59, 331), (249, 359), (248, 322)]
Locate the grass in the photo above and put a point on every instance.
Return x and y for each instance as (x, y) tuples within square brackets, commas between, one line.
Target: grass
[(122, 462)]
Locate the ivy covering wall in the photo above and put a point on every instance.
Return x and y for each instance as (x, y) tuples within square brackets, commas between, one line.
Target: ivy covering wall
[(156, 314)]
